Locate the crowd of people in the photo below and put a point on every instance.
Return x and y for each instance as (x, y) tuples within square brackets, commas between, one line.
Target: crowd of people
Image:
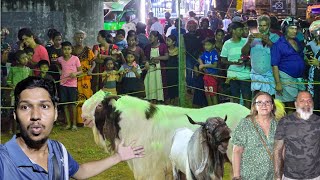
[(238, 57), (242, 58)]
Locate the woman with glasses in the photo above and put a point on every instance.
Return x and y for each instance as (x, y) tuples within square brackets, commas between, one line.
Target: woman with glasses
[(253, 141)]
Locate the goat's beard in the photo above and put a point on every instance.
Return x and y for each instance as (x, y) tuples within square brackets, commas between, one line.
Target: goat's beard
[(305, 113)]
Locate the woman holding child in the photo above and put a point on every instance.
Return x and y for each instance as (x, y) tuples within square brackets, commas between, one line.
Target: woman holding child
[(105, 49), (26, 36)]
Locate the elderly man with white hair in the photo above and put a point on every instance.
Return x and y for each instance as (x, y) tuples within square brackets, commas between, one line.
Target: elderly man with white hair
[(297, 142)]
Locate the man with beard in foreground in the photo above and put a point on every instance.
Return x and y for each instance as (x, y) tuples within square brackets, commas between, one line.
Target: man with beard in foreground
[(31, 155), (299, 135)]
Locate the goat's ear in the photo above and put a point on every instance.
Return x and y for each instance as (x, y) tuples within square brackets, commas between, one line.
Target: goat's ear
[(193, 122), (225, 118)]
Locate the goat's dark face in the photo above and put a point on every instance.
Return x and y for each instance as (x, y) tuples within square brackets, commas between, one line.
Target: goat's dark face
[(218, 133), (100, 116), (107, 120)]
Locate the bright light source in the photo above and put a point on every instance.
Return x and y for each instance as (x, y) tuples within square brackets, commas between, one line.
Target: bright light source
[(214, 3), (143, 11)]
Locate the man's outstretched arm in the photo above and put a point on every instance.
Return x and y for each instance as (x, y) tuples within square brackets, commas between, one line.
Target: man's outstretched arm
[(94, 168)]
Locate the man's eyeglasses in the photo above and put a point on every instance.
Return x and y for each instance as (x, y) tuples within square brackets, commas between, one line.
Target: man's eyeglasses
[(261, 103)]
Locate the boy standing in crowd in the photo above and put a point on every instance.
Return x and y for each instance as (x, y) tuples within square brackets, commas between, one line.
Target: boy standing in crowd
[(70, 69), (208, 62)]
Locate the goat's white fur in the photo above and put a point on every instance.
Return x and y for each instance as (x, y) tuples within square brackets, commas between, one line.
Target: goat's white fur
[(156, 134)]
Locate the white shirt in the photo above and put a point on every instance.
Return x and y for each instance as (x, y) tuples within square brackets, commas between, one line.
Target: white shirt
[(157, 27), (169, 30), (226, 23), (127, 27)]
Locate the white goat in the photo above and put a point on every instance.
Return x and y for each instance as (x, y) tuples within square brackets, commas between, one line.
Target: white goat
[(200, 154)]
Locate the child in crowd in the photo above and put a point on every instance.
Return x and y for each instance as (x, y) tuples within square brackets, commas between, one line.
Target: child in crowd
[(19, 72), (120, 39), (43, 65), (131, 81), (219, 36), (223, 87), (16, 74), (199, 98), (143, 41), (5, 65), (54, 52), (131, 33), (155, 80), (140, 58), (172, 74), (29, 51), (208, 62), (70, 69), (110, 76), (50, 36)]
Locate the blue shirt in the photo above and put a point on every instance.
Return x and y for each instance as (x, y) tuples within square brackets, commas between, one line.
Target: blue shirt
[(260, 55), (287, 58), (14, 163), (122, 44), (210, 58), (176, 34)]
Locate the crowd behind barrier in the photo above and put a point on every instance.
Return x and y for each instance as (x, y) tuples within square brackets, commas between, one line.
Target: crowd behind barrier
[(213, 60), (191, 87), (153, 57)]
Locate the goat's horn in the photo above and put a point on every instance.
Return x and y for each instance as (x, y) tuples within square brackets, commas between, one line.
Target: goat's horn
[(225, 118), (193, 122)]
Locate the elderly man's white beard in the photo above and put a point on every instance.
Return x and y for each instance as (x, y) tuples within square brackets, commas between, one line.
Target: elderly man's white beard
[(304, 114)]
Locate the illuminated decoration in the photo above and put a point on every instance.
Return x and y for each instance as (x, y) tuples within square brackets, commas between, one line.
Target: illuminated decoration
[(249, 5), (143, 11), (239, 5), (116, 6), (214, 3)]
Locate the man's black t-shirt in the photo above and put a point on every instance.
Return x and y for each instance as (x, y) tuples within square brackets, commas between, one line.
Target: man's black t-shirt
[(302, 146), (54, 53), (167, 25)]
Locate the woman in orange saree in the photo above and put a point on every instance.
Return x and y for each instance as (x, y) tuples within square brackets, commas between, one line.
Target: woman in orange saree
[(86, 56)]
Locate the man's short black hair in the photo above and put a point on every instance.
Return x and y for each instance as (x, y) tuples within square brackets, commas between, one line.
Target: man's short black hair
[(51, 32), (66, 43), (141, 28), (235, 25), (24, 32), (35, 82), (55, 34)]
